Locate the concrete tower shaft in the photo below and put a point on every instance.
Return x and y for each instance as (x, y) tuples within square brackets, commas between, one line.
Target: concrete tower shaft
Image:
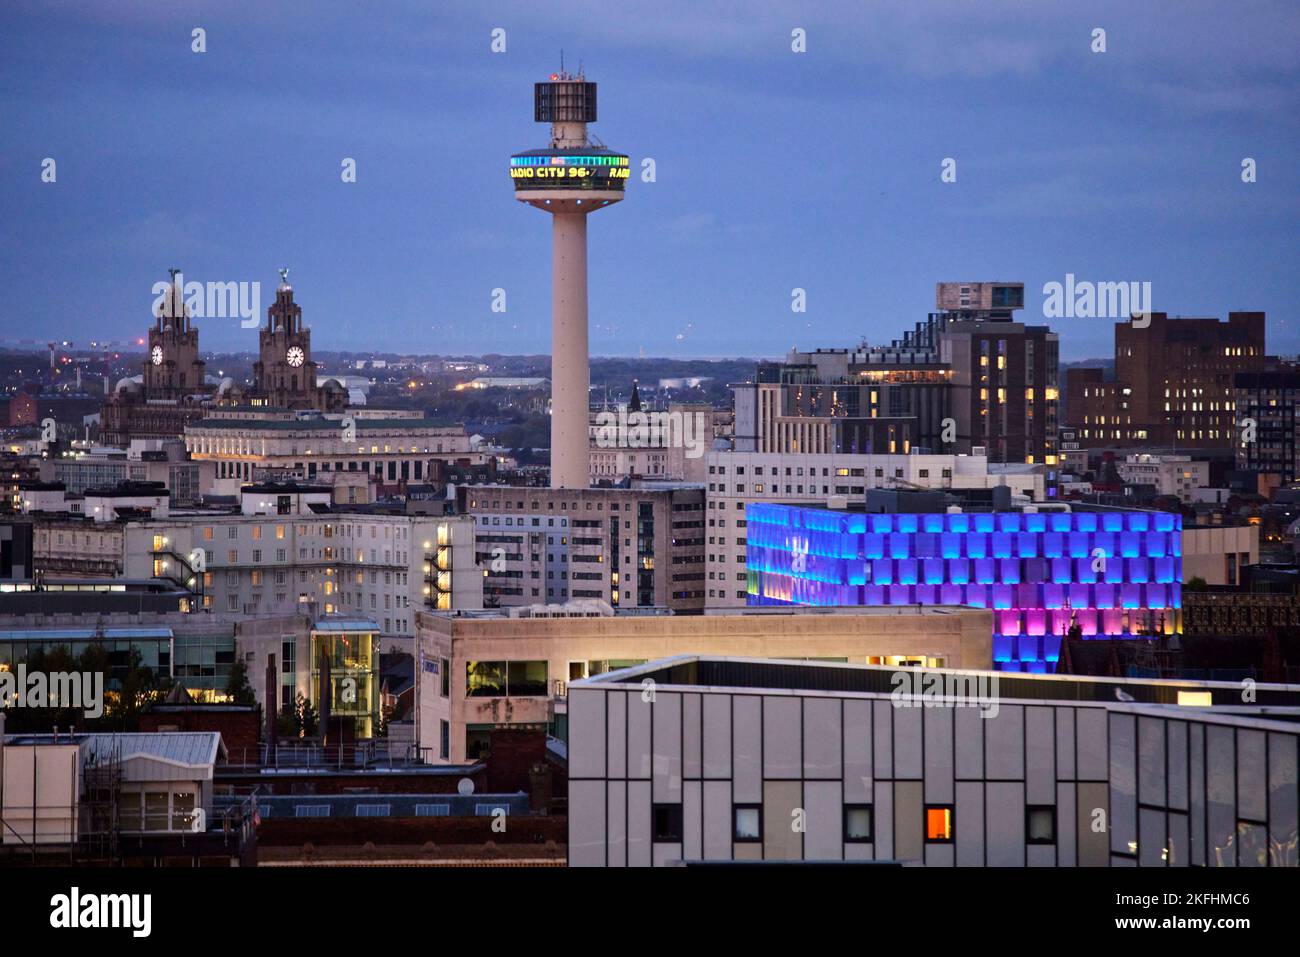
[(570, 368)]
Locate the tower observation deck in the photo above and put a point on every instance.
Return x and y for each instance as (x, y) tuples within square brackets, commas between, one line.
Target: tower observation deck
[(570, 178)]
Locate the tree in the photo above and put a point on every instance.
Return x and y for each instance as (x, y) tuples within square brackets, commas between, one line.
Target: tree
[(386, 713), (237, 687), (138, 687), (305, 719)]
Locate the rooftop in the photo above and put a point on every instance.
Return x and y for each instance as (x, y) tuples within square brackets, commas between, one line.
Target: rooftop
[(317, 424), (1275, 701), (190, 749)]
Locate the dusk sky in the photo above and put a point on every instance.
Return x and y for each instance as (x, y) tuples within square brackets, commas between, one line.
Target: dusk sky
[(775, 169)]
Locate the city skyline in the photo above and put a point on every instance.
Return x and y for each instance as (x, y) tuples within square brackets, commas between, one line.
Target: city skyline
[(1127, 168)]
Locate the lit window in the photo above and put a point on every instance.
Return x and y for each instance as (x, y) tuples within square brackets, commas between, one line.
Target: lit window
[(938, 824)]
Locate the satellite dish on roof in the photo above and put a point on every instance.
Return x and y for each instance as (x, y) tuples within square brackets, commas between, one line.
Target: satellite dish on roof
[(465, 786)]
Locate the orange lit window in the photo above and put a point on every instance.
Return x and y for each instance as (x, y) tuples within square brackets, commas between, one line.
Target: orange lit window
[(938, 824)]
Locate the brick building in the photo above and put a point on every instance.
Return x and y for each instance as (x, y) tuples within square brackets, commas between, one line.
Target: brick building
[(18, 408), (1173, 384)]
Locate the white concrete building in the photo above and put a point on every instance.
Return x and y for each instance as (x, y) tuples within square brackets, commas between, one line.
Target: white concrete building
[(384, 566), (662, 445), (726, 754), (1168, 474), (388, 445)]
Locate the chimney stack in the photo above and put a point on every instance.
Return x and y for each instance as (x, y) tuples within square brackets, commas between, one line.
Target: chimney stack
[(272, 706)]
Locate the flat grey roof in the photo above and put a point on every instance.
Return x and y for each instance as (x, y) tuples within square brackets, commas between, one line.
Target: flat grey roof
[(82, 634), (795, 676)]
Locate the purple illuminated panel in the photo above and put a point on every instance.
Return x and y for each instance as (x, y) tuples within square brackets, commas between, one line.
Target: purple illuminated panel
[(1109, 574)]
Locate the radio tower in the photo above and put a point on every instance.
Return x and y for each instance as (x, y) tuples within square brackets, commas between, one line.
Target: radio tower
[(569, 179)]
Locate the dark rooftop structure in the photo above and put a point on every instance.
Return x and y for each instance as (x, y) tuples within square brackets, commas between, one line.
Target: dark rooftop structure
[(692, 670)]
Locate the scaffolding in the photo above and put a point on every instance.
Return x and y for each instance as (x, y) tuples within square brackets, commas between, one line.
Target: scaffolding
[(99, 837)]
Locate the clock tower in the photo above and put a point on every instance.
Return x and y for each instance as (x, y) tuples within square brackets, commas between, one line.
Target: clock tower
[(172, 367), (284, 374)]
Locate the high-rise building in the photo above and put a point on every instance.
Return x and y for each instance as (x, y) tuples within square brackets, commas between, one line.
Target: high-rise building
[(569, 179), (969, 377), (844, 401), (1265, 437), (627, 547), (1004, 372), (1173, 384)]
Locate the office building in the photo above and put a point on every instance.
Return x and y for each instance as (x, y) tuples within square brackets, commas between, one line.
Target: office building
[(969, 380), (1166, 473), (312, 562), (1045, 574), (1265, 426), (511, 667), (738, 479), (639, 547), (735, 759), (386, 447), (1174, 383)]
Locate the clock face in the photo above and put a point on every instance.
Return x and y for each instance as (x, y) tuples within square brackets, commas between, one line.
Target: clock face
[(155, 356), (295, 356)]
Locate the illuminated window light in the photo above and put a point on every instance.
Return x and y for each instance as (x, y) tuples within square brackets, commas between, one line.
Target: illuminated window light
[(939, 824)]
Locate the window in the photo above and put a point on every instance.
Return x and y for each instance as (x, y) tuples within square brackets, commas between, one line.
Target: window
[(938, 823), (155, 810), (128, 810), (748, 824), (182, 810), (526, 678), (1040, 824), (858, 821), (667, 822), (374, 810), (444, 740), (488, 679)]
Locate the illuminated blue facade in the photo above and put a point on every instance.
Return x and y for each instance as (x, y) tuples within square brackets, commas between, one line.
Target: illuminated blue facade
[(1117, 573)]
